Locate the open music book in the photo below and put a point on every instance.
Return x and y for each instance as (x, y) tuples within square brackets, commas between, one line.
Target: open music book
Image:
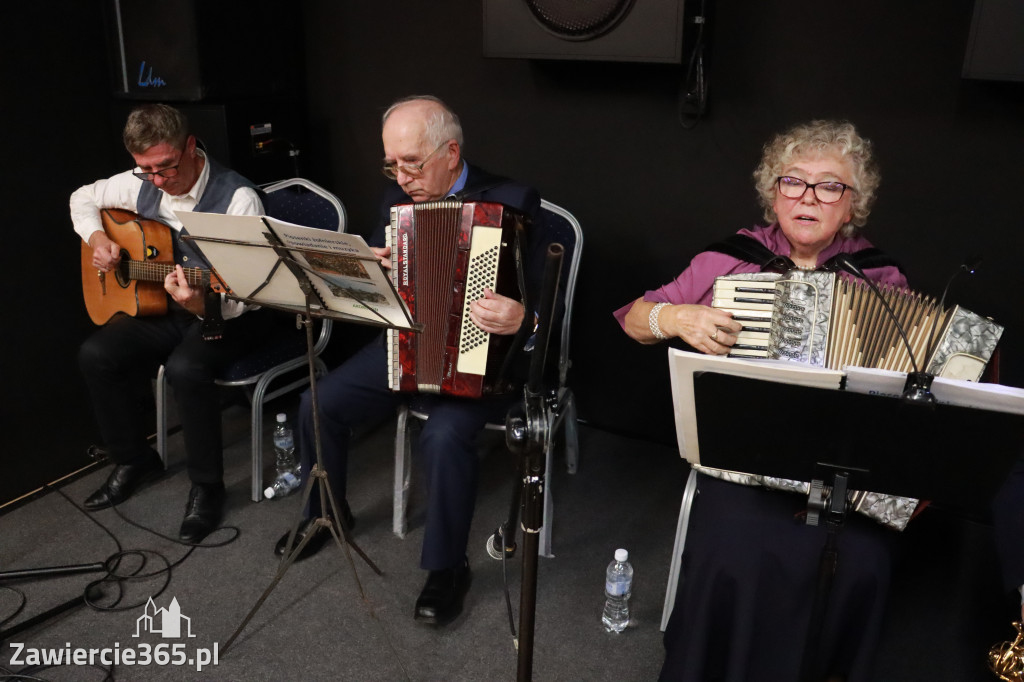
[(248, 253)]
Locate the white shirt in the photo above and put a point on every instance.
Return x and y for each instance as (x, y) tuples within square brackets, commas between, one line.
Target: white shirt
[(122, 191)]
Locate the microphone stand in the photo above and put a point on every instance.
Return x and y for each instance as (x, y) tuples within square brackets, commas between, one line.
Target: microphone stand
[(92, 592), (918, 388), (917, 391), (527, 434), (835, 509)]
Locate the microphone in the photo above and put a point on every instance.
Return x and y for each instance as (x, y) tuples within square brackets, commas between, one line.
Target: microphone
[(970, 266), (918, 389)]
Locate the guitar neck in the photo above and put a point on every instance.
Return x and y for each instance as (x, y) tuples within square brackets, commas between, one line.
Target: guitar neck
[(145, 271)]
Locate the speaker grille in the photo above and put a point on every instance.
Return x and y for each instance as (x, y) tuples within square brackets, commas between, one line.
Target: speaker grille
[(579, 19)]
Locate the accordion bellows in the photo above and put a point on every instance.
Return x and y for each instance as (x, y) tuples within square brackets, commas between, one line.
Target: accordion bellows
[(821, 319), (443, 255)]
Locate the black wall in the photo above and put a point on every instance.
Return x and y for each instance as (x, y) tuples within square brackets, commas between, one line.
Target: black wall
[(604, 140), (601, 139), (56, 137)]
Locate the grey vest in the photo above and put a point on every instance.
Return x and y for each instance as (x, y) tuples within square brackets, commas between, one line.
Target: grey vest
[(220, 188)]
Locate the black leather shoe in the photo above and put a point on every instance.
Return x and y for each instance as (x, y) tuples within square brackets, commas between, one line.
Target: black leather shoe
[(317, 541), (203, 511), (440, 602), (123, 481)]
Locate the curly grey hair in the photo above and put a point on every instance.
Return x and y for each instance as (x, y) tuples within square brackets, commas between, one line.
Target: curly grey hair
[(810, 140), (441, 125)]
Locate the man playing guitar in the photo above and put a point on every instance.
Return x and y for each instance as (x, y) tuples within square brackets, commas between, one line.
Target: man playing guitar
[(192, 333)]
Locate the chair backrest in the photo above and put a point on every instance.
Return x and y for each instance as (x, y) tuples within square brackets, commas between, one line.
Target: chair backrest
[(305, 203), (562, 227)]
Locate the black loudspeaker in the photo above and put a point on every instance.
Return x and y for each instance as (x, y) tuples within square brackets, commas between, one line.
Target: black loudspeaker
[(193, 50), (995, 50), (601, 30)]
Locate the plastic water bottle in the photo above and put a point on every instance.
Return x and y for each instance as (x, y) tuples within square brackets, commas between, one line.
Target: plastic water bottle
[(618, 585), (284, 484), (287, 471)]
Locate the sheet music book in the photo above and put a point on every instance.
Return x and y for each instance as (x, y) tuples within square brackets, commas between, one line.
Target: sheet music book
[(683, 365), (344, 273)]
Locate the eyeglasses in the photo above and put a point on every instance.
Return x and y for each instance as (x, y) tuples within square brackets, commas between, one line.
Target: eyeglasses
[(163, 172), (391, 170), (826, 192)]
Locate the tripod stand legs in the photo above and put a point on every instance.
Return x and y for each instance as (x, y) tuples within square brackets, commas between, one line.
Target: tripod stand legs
[(321, 524)]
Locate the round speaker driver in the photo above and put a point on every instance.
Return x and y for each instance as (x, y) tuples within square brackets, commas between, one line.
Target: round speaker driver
[(579, 19)]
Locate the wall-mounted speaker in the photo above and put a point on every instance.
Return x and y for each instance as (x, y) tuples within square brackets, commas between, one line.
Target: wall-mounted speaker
[(191, 50), (995, 50), (600, 30)]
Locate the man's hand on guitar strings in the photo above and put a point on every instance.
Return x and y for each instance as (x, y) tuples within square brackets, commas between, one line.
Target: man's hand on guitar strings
[(176, 284), (106, 254)]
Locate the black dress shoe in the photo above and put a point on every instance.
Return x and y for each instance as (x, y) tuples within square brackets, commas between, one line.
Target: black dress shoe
[(440, 602), (203, 511), (123, 481), (317, 541)]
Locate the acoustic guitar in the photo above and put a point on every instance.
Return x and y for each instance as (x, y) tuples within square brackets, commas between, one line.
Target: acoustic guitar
[(136, 286)]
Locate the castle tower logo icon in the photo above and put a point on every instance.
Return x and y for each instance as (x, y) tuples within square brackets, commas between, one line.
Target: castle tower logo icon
[(168, 622)]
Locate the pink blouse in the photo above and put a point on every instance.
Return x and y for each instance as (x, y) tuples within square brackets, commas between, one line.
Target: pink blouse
[(694, 284)]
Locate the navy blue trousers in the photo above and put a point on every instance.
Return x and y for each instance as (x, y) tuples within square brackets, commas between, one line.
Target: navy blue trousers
[(357, 393)]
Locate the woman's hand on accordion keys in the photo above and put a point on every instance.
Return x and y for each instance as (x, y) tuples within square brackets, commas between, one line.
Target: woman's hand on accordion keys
[(497, 314), (706, 329)]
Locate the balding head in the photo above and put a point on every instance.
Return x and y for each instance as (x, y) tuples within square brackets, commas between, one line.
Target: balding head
[(422, 144)]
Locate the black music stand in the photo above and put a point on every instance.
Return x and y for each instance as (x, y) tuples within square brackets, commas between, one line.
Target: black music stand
[(228, 255), (910, 450)]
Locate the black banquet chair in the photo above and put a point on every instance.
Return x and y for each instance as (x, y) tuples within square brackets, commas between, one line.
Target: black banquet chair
[(301, 202)]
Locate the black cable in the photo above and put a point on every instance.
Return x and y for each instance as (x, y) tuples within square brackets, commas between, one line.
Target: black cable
[(18, 609), (28, 672), (117, 574)]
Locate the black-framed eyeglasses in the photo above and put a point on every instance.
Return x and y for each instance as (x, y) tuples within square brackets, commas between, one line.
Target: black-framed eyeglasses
[(163, 172), (826, 192), (391, 170)]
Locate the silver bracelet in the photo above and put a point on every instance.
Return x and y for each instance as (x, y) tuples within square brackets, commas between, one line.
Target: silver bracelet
[(652, 321)]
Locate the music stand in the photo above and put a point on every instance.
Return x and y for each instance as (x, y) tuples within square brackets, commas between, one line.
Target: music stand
[(313, 258), (910, 450)]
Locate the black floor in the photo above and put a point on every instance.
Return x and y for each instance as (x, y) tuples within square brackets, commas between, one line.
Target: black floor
[(947, 608)]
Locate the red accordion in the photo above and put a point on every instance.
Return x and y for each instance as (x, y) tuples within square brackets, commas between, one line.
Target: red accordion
[(443, 255)]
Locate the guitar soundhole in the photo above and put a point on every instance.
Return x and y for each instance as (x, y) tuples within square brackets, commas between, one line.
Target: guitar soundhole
[(123, 278)]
